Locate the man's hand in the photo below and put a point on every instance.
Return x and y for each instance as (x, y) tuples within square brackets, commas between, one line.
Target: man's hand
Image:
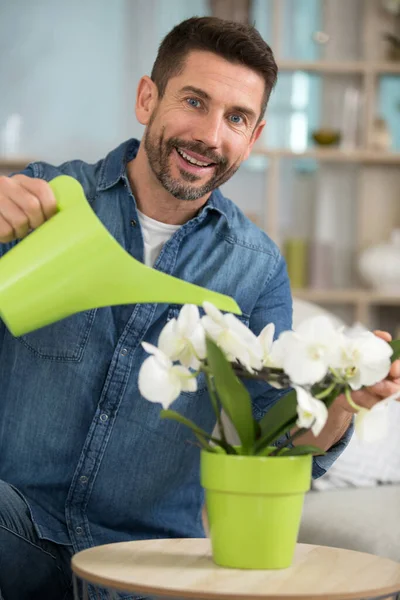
[(25, 203), (369, 396)]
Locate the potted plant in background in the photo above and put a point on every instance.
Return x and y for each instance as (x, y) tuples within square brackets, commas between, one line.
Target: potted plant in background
[(255, 490)]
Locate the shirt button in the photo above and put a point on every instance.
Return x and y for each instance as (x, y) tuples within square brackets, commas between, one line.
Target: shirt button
[(133, 222), (78, 530), (103, 417), (124, 351), (83, 479)]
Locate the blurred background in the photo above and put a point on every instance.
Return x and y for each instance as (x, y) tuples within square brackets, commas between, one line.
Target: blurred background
[(324, 180)]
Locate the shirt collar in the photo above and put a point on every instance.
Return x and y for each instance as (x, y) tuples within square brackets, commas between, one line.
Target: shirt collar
[(114, 165), (113, 168)]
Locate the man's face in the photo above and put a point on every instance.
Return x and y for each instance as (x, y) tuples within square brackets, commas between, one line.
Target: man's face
[(204, 126)]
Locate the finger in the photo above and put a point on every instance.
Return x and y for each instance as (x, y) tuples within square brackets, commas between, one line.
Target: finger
[(7, 233), (42, 191), (26, 201), (15, 217), (394, 372), (384, 388), (384, 335)]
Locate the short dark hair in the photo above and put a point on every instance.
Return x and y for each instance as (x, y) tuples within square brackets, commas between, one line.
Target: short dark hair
[(236, 42)]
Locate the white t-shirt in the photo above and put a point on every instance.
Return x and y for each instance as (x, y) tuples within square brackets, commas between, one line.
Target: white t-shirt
[(155, 234)]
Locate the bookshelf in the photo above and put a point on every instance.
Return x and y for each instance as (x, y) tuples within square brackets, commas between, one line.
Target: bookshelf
[(375, 201)]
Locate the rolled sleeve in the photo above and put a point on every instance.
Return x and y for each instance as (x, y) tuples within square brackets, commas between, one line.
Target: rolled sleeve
[(322, 463)]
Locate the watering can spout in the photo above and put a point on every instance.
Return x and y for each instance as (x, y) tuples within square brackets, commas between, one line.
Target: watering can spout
[(72, 263)]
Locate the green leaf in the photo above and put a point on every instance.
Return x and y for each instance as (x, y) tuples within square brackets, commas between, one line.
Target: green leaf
[(204, 444), (396, 350), (234, 397), (172, 414), (266, 451), (301, 450), (282, 417), (279, 418)]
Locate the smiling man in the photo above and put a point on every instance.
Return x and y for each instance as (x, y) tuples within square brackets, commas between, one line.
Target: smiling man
[(85, 460)]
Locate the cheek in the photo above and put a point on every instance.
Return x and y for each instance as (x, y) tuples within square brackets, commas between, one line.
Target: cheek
[(236, 140), (179, 119), (236, 148)]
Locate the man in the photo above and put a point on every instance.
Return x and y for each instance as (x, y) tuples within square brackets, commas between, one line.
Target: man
[(85, 460)]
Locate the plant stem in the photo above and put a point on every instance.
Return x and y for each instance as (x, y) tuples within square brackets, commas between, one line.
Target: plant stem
[(290, 439), (350, 400), (338, 377), (215, 403), (268, 374), (325, 392)]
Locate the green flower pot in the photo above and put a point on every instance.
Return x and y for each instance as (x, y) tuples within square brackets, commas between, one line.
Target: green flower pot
[(254, 507)]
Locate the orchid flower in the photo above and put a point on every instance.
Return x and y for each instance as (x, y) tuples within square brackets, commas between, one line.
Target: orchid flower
[(266, 339), (305, 354), (371, 425), (183, 338), (233, 337), (311, 411), (162, 381), (363, 358)]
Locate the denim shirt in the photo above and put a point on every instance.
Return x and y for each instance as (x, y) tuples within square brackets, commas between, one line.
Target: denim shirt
[(91, 456)]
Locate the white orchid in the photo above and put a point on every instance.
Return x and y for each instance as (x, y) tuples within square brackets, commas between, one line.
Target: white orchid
[(352, 358), (311, 411), (266, 339), (162, 381), (363, 358), (233, 337), (305, 354), (183, 339), (371, 425)]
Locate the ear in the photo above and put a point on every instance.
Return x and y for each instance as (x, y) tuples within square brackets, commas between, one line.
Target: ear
[(146, 99), (255, 135)]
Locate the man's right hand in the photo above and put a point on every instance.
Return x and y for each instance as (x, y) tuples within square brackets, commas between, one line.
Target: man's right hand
[(25, 203)]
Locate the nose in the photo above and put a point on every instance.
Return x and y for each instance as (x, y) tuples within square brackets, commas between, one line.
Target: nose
[(208, 130)]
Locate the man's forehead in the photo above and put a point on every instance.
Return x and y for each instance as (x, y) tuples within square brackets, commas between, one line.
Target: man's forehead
[(203, 63)]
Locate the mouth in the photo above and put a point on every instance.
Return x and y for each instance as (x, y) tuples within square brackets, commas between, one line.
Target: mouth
[(191, 164)]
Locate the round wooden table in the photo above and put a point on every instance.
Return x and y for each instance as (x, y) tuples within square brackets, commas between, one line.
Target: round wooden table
[(183, 568)]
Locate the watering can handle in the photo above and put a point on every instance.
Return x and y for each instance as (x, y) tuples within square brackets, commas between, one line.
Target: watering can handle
[(67, 191)]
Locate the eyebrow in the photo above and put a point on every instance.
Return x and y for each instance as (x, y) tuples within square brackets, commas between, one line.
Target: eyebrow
[(250, 114)]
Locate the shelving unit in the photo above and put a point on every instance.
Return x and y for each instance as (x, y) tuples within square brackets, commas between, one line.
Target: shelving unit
[(375, 215), (341, 67), (335, 155), (360, 300), (9, 165)]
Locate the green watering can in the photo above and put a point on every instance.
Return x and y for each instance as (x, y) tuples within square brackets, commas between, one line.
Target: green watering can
[(72, 263)]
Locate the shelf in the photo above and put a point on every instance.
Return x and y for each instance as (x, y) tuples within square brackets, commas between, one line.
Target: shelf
[(13, 164), (333, 155), (348, 296), (348, 67)]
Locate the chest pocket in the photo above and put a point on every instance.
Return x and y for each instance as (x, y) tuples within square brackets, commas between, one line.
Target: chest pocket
[(64, 341), (173, 313)]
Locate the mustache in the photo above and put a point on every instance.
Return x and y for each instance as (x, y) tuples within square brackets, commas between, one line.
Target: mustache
[(199, 148)]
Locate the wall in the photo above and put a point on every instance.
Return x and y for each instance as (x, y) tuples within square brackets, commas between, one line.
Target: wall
[(62, 70)]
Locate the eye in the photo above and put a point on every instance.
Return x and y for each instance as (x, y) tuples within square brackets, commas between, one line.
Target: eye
[(193, 102), (236, 119)]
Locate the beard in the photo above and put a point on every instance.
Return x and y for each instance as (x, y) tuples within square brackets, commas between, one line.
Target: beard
[(158, 151)]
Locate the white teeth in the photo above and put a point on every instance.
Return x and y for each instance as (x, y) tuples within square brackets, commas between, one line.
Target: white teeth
[(192, 160)]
